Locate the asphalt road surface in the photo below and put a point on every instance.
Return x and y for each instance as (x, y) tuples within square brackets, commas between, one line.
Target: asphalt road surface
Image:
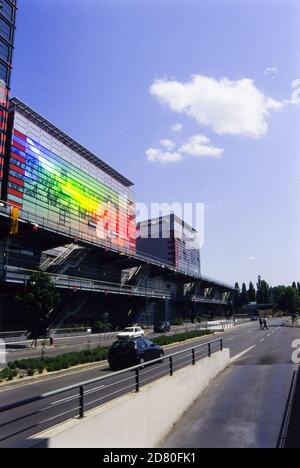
[(245, 406), (257, 383), (23, 350)]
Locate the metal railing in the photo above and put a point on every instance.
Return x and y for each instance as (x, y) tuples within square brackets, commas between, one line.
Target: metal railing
[(73, 233), (62, 281), (15, 274), (34, 415), (14, 336)]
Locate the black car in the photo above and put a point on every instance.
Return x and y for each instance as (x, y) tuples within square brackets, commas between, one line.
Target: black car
[(162, 327), (131, 352)]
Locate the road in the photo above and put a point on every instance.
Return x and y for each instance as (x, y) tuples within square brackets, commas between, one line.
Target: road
[(23, 350), (245, 406), (246, 339)]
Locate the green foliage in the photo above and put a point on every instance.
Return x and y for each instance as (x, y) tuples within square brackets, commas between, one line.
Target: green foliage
[(286, 298), (178, 322), (251, 292), (39, 299), (8, 373), (64, 361), (244, 295), (166, 340), (101, 327), (67, 360), (289, 300), (263, 291)]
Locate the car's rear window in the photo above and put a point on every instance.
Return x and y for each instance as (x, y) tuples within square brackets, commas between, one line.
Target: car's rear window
[(123, 345)]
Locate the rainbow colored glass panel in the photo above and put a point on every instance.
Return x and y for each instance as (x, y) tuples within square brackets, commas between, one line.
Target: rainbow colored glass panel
[(63, 196)]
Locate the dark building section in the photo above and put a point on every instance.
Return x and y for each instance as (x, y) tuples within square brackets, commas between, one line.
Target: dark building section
[(7, 32), (170, 239)]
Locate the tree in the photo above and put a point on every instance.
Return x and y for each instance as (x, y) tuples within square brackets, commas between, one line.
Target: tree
[(298, 286), (251, 292), (39, 299), (289, 300), (294, 285), (262, 295), (244, 295), (237, 296)]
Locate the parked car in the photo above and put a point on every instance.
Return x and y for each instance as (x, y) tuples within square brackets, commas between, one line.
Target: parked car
[(162, 327), (254, 318), (131, 352), (131, 332)]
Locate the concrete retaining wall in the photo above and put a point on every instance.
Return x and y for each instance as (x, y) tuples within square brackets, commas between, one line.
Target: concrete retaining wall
[(141, 419)]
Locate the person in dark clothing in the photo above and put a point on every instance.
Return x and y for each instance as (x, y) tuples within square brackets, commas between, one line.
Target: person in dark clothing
[(260, 323), (265, 324)]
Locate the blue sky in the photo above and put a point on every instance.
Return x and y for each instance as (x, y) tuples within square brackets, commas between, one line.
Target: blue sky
[(104, 71)]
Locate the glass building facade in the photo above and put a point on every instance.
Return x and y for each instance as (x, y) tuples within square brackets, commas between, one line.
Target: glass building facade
[(171, 240), (7, 30), (61, 185)]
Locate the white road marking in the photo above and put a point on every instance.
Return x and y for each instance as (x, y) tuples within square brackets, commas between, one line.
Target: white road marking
[(269, 334), (261, 341), (238, 356), (231, 339)]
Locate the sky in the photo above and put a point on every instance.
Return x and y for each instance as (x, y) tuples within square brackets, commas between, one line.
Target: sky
[(194, 101)]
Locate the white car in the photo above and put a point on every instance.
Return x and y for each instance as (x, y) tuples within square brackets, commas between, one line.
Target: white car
[(131, 332)]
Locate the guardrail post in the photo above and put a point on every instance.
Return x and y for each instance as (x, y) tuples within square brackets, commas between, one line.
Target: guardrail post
[(171, 365), (193, 356), (81, 402), (209, 350), (221, 344), (137, 380)]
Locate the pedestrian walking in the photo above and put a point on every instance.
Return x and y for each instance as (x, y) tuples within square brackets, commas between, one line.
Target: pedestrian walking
[(265, 324), (260, 323)]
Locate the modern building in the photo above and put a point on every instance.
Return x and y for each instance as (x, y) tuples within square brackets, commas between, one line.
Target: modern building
[(7, 32), (67, 213), (51, 177), (172, 240)]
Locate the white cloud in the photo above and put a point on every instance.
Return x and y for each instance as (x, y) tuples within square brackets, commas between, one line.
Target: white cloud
[(250, 259), (168, 144), (197, 146), (157, 155), (227, 107), (200, 145), (177, 127), (295, 97), (271, 71)]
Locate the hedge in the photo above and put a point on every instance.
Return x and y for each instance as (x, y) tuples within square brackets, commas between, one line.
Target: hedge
[(179, 337), (67, 360)]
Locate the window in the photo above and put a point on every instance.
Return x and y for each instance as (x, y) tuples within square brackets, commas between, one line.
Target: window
[(6, 9), (149, 343), (4, 51), (5, 29), (141, 344), (62, 216), (3, 73)]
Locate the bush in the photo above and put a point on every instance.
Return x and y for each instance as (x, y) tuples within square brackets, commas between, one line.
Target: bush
[(178, 322), (65, 361), (101, 327), (166, 340), (8, 374)]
